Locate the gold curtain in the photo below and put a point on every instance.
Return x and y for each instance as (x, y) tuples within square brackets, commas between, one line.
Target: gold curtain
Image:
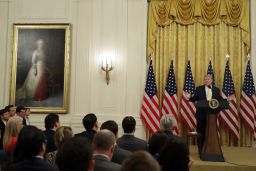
[(200, 30)]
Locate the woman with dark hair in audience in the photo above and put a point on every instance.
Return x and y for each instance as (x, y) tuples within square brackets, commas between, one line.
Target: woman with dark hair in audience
[(156, 142), (30, 150), (174, 156), (62, 134)]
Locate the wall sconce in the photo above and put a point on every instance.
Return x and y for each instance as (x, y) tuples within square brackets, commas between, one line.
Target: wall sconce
[(107, 67)]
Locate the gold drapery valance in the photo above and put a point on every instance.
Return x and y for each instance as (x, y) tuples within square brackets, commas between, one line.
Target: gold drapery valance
[(207, 12), (199, 30)]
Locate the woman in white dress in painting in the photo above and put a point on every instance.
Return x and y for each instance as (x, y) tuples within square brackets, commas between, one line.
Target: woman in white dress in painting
[(34, 86)]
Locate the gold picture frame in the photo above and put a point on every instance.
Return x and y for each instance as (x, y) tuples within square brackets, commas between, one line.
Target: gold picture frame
[(41, 67)]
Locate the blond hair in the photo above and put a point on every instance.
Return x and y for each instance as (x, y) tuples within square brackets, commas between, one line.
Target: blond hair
[(62, 134), (12, 129)]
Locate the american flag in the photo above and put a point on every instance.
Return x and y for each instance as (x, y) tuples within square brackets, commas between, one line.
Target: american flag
[(229, 116), (150, 105), (248, 101), (188, 109), (170, 100), (210, 71)]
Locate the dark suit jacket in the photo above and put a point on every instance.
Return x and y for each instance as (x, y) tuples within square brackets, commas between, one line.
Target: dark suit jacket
[(103, 164), (2, 128), (49, 135), (120, 155), (176, 138), (87, 134), (33, 164), (200, 94), (131, 143)]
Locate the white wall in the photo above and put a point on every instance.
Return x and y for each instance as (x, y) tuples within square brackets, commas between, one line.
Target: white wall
[(98, 26)]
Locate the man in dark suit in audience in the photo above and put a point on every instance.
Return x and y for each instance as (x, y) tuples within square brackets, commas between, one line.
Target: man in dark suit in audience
[(21, 111), (91, 126), (104, 144), (4, 114), (29, 151), (166, 126), (128, 141), (51, 123), (119, 154)]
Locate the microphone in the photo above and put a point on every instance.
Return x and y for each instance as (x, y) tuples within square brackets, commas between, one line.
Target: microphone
[(210, 87)]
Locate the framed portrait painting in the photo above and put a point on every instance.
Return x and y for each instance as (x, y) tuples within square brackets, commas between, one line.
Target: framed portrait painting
[(41, 67)]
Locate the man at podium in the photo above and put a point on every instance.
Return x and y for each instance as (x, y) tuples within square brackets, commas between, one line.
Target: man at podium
[(204, 92)]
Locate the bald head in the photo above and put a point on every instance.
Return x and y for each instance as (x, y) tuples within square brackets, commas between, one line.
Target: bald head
[(104, 139)]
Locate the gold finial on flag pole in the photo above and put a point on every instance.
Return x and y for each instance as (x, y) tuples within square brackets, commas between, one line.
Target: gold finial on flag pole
[(227, 56), (248, 56)]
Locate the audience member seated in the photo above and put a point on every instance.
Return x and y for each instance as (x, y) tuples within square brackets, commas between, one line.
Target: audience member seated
[(21, 112), (140, 161), (104, 145), (62, 134), (11, 109), (174, 156), (75, 155), (91, 126), (128, 141), (166, 125), (30, 150), (119, 154), (4, 114), (155, 143), (51, 123)]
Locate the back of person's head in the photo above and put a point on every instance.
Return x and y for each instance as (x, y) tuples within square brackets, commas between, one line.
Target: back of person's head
[(89, 121), (167, 122), (62, 134), (174, 156), (104, 140), (75, 155), (129, 124), (156, 142), (31, 142), (12, 129), (110, 125), (140, 161), (51, 120), (20, 108)]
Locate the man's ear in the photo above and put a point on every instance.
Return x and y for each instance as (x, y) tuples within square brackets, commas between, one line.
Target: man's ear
[(91, 165), (43, 148), (113, 148)]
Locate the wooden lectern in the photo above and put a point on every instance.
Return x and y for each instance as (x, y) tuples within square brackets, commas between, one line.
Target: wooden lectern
[(211, 150)]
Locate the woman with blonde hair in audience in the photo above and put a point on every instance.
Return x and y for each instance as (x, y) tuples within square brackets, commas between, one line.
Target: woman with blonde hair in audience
[(11, 133), (62, 134)]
